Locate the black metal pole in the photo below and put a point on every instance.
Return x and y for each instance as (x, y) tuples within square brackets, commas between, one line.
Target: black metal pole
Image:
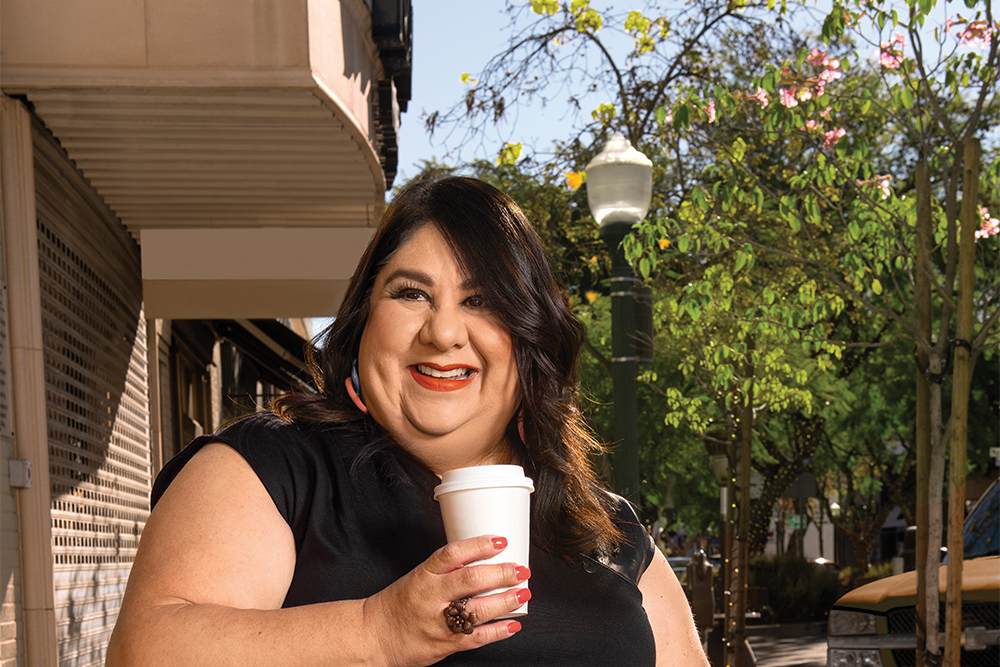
[(624, 365)]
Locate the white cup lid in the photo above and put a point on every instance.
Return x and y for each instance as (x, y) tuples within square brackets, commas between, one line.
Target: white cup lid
[(491, 476)]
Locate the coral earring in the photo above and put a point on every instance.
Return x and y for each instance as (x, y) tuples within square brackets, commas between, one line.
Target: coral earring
[(354, 396)]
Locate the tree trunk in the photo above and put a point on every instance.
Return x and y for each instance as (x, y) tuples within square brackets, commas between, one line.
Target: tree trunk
[(935, 527), (924, 323), (862, 545), (743, 555), (960, 402)]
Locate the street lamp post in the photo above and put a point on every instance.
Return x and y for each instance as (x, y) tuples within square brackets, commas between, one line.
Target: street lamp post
[(619, 189)]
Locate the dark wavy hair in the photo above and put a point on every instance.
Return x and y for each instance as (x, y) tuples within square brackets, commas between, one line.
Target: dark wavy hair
[(497, 246)]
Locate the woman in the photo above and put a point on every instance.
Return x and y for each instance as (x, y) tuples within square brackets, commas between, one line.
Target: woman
[(310, 535)]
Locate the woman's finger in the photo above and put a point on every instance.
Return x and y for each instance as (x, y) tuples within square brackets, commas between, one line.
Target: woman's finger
[(487, 608), (455, 555)]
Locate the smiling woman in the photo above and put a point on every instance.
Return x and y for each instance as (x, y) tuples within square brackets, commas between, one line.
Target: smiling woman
[(436, 366), (310, 534)]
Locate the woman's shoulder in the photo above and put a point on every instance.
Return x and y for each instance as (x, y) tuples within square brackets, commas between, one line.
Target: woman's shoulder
[(636, 550), (275, 448)]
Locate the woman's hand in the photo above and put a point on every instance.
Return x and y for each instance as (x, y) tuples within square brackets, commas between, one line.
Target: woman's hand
[(407, 618)]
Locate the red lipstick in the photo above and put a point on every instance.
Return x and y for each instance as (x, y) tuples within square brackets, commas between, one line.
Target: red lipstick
[(443, 384)]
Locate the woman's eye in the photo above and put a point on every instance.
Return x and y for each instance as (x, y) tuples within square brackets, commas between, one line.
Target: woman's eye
[(409, 294), (475, 302)]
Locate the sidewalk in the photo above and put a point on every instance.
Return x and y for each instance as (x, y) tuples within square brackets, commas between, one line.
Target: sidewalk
[(789, 644)]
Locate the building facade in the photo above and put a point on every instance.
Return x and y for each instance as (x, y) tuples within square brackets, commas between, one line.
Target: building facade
[(182, 181)]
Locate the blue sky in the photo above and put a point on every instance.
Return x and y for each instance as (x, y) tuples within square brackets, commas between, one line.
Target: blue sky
[(452, 37)]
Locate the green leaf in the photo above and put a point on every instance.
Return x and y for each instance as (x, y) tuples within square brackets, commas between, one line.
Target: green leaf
[(739, 149), (682, 117), (926, 6), (698, 198), (544, 6), (644, 267), (907, 96), (876, 286), (741, 260), (813, 209), (510, 153), (661, 116), (767, 83), (683, 243)]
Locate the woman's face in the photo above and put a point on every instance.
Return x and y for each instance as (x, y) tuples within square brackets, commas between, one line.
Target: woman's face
[(437, 369)]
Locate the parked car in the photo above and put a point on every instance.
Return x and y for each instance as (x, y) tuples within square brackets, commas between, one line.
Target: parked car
[(875, 625)]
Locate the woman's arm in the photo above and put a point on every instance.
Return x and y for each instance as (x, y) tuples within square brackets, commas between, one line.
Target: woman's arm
[(214, 564), (670, 616)]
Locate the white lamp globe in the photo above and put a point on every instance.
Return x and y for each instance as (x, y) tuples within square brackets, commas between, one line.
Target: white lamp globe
[(619, 183)]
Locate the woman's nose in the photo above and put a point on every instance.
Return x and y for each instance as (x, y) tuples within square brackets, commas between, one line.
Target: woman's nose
[(444, 328)]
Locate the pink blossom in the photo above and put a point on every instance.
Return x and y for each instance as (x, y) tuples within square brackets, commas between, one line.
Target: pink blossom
[(761, 97), (825, 113), (891, 52), (804, 94), (817, 58), (830, 74), (881, 182), (990, 225), (890, 59), (710, 110), (948, 23), (788, 98), (976, 33), (830, 138), (810, 125)]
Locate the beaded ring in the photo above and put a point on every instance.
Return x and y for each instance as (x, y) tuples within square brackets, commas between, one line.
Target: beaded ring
[(458, 619)]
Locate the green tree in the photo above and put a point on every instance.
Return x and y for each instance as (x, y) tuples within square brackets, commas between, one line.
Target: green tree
[(807, 207)]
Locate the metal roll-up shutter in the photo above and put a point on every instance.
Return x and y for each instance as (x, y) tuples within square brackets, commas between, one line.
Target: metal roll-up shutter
[(97, 402)]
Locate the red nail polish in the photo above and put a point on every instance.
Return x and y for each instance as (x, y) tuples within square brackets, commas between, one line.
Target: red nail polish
[(513, 627), (523, 595), (499, 543), (522, 573)]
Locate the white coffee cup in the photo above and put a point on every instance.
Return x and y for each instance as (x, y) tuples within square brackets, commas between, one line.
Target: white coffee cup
[(489, 500)]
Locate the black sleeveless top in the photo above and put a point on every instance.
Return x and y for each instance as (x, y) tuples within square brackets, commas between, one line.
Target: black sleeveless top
[(362, 523)]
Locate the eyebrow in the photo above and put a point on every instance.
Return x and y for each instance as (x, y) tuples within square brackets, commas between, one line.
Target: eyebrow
[(424, 279)]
